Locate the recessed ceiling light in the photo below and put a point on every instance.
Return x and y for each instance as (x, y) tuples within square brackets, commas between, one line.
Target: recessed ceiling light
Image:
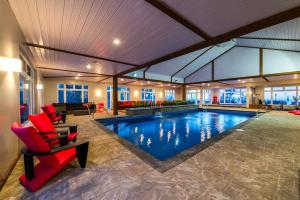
[(208, 84), (122, 79), (239, 80), (117, 41), (89, 66), (78, 74), (142, 83), (148, 82), (243, 81), (296, 76), (76, 77)]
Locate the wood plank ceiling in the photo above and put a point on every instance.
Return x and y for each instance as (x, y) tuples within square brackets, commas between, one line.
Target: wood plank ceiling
[(146, 33)]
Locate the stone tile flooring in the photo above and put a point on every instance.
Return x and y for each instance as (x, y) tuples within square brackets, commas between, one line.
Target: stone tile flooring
[(260, 162)]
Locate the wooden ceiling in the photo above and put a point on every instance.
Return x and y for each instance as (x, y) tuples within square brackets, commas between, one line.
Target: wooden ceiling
[(164, 37)]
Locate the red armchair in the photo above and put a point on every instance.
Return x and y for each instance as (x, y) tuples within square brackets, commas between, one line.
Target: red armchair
[(53, 115), (51, 161), (44, 126)]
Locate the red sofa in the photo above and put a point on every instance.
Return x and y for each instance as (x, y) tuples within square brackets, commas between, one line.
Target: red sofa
[(125, 104)]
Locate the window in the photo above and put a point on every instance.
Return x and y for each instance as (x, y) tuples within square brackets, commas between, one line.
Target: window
[(124, 93), (169, 95), (233, 96), (72, 93), (281, 95), (26, 91), (207, 96), (191, 95), (148, 94)]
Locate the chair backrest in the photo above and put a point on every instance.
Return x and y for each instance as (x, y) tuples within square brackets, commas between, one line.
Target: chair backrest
[(41, 122), (50, 111), (34, 142), (30, 138)]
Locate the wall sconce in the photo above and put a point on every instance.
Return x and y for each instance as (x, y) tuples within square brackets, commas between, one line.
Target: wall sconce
[(10, 64), (39, 86), (160, 94), (26, 86), (136, 93), (98, 93)]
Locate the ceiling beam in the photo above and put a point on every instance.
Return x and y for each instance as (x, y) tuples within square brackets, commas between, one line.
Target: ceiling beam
[(277, 39), (191, 62), (265, 78), (72, 76), (163, 7), (209, 62), (223, 83), (255, 26), (222, 80), (267, 48), (79, 54), (104, 79), (145, 79), (74, 71)]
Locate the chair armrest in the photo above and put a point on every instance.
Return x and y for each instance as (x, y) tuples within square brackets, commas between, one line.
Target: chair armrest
[(72, 128), (55, 138), (28, 152), (62, 132), (63, 139)]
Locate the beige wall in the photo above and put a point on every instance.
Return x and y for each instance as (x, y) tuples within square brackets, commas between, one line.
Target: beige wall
[(50, 91), (10, 37)]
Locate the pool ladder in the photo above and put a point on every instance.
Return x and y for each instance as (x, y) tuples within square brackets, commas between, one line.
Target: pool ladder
[(261, 108), (204, 107)]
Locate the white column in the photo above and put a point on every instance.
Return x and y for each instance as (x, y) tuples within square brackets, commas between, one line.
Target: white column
[(249, 96)]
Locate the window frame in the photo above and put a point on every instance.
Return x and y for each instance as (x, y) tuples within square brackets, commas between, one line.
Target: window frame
[(83, 90)]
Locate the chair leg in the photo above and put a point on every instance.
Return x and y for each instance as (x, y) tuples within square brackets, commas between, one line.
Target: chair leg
[(81, 153), (29, 167)]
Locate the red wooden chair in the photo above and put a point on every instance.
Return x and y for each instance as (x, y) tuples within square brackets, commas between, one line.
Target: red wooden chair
[(44, 126), (51, 161), (53, 115)]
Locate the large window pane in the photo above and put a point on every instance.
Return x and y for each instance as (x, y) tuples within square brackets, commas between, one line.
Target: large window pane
[(279, 97), (61, 96), (268, 97)]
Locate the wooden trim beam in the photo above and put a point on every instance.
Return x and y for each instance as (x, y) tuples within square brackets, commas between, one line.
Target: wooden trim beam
[(277, 39), (104, 79), (223, 83), (265, 78), (152, 80), (73, 76), (163, 7), (79, 54), (144, 72), (267, 48), (74, 71), (228, 79), (191, 62), (255, 26)]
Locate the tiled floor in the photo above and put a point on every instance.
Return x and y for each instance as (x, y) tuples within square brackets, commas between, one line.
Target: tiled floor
[(261, 161)]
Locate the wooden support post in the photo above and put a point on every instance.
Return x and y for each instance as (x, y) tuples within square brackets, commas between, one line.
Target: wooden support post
[(115, 95), (184, 92)]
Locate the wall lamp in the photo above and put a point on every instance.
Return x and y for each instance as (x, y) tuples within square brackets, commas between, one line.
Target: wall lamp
[(10, 64)]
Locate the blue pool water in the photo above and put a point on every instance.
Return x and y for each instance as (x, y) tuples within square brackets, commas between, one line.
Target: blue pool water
[(165, 136)]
